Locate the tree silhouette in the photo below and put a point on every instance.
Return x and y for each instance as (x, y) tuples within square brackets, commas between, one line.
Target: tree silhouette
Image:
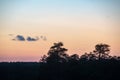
[(58, 65), (74, 58), (57, 54), (87, 56), (91, 56), (84, 56), (102, 51), (43, 59)]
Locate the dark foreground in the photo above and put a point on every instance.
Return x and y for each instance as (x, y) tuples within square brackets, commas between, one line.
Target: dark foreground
[(82, 70)]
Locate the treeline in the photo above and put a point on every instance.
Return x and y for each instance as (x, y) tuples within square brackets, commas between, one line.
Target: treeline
[(96, 65), (57, 54), (58, 65)]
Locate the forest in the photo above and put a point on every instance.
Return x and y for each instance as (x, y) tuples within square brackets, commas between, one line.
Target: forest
[(58, 65)]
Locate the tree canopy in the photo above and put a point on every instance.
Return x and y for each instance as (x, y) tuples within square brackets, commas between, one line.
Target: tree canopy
[(57, 54)]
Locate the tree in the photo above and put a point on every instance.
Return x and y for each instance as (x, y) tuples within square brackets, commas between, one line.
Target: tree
[(102, 51), (43, 59), (84, 57), (88, 56), (74, 57), (57, 54)]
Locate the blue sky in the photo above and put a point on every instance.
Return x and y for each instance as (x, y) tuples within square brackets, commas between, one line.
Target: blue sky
[(59, 6)]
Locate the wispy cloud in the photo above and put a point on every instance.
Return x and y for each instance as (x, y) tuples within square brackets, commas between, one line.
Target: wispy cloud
[(43, 38)]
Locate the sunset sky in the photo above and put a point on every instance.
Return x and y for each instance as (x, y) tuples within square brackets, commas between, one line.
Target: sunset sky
[(79, 24)]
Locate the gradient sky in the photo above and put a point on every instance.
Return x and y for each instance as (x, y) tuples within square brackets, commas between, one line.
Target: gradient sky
[(79, 24)]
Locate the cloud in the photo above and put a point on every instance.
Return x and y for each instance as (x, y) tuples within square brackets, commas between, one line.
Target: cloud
[(19, 38), (43, 38), (10, 34), (29, 38), (32, 39)]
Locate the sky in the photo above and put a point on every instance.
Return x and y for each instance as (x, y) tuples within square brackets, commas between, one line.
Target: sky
[(28, 28)]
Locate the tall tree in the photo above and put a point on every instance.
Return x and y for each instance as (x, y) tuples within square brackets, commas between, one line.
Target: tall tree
[(57, 53), (102, 51)]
